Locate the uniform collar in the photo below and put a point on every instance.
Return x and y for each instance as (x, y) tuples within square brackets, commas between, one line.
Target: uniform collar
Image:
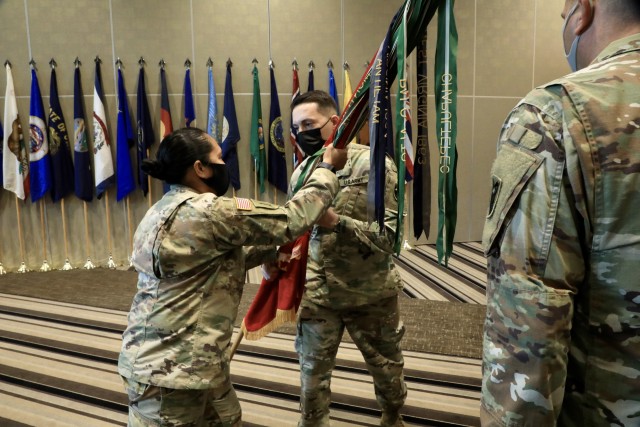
[(619, 47)]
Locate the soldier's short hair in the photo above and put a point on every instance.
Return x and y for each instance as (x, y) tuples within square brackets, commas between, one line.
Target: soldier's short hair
[(326, 104), (177, 152), (627, 11)]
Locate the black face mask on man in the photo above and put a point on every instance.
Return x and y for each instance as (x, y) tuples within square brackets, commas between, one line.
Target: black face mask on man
[(219, 181), (310, 141)]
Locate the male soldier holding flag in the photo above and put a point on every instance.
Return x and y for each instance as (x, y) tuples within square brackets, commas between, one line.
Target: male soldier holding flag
[(562, 332)]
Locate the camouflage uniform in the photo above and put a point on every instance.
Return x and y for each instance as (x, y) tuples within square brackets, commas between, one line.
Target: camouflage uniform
[(562, 332), (189, 251), (353, 283)]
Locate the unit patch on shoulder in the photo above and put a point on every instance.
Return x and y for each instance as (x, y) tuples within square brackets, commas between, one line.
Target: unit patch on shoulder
[(243, 204)]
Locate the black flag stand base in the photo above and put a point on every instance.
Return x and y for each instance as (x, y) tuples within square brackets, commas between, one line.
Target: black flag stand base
[(67, 265), (23, 268), (111, 264), (2, 270), (45, 266), (88, 265)]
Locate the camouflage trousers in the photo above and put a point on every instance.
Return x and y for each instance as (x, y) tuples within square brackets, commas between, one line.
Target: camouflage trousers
[(150, 405), (376, 330)]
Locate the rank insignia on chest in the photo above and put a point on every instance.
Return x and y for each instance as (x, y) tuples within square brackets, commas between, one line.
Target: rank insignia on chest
[(243, 204)]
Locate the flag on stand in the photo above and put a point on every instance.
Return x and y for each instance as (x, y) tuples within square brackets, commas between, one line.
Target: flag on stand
[(277, 173), (102, 159), (446, 91), (333, 90), (422, 166), (125, 183), (298, 155), (15, 162), (230, 132), (61, 163), (1, 138), (39, 143), (82, 165), (189, 109), (166, 126), (256, 142), (310, 86), (145, 135), (212, 110)]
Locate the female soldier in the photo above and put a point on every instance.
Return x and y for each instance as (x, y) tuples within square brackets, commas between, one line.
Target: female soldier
[(191, 251)]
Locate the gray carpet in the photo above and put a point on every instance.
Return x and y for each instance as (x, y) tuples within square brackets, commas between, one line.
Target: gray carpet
[(431, 326)]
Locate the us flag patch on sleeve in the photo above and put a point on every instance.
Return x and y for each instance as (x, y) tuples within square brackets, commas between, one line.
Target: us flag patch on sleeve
[(244, 204)]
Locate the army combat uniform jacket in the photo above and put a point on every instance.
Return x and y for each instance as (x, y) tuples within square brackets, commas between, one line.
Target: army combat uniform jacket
[(191, 257), (562, 332), (352, 265)]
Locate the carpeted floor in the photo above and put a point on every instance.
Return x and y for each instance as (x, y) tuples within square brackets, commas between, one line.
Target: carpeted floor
[(431, 326)]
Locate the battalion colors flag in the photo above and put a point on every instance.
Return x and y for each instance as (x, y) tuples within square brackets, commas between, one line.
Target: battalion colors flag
[(125, 183), (422, 166), (189, 109), (298, 155), (166, 125), (212, 109), (446, 90), (256, 142), (277, 172), (102, 159), (333, 90), (82, 163), (61, 163), (230, 132), (39, 144), (146, 138), (15, 162)]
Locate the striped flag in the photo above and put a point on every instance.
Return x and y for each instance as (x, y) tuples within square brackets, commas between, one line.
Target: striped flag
[(212, 110), (15, 162), (298, 154), (277, 173), (102, 158), (39, 144), (189, 109), (256, 143), (230, 132), (145, 135), (166, 125), (59, 145), (82, 164), (446, 90), (125, 183), (333, 90)]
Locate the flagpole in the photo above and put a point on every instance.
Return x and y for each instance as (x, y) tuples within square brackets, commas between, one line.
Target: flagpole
[(23, 267), (130, 223), (149, 181), (110, 263), (255, 179), (88, 265), (67, 265), (45, 263), (236, 343)]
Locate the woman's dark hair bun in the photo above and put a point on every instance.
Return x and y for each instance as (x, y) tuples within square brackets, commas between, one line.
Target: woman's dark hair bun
[(153, 168)]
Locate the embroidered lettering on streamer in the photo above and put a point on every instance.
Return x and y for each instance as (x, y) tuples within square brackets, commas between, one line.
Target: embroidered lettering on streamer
[(244, 204)]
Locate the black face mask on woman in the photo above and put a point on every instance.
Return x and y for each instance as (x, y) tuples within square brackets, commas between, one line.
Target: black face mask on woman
[(310, 141), (219, 181)]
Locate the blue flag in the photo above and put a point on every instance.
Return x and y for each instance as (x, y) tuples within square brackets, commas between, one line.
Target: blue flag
[(310, 85), (124, 141), (82, 164), (277, 170), (59, 145), (333, 90), (230, 133), (189, 109), (146, 137), (39, 144), (212, 110)]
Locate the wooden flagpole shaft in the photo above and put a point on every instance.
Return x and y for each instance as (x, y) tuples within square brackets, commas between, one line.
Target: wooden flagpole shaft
[(106, 207), (64, 230), (149, 182), (255, 181), (44, 232), (236, 343), (130, 224), (233, 191), (20, 239), (86, 229)]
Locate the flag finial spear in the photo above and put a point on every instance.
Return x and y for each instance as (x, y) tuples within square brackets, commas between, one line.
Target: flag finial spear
[(254, 61), (271, 64), (311, 65), (97, 60), (187, 63), (209, 62), (142, 62), (229, 63), (77, 62), (294, 64), (162, 63), (119, 63), (7, 62), (32, 63), (53, 63), (346, 66), (330, 64)]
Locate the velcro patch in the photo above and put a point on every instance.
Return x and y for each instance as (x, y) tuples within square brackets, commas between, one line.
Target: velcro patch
[(243, 204)]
